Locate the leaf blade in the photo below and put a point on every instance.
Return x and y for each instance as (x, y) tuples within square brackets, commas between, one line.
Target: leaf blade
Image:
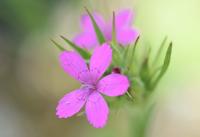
[(98, 32), (114, 29), (83, 53), (160, 50), (58, 45), (164, 66)]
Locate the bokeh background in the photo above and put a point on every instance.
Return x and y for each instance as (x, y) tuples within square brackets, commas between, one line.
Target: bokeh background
[(31, 81)]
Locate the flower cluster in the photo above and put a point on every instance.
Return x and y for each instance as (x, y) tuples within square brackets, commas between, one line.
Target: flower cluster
[(102, 61), (125, 34)]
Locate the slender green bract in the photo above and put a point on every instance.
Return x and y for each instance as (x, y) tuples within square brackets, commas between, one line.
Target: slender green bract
[(114, 30), (98, 32), (160, 50), (164, 66), (83, 53), (58, 45)]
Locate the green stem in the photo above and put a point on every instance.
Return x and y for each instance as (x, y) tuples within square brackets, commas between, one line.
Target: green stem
[(142, 120)]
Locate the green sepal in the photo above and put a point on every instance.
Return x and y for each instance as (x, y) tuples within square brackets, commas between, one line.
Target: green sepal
[(114, 30), (131, 58), (82, 52), (164, 66), (98, 32), (159, 51), (145, 73), (135, 45), (58, 45)]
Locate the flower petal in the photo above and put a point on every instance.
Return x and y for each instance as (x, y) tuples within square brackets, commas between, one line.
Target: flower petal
[(86, 40), (100, 60), (97, 110), (126, 36), (123, 18), (113, 85), (87, 25), (74, 65), (71, 103)]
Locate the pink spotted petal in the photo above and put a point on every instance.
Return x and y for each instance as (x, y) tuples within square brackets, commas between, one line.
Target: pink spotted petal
[(71, 103), (113, 85), (74, 65), (86, 40), (100, 60), (126, 36), (123, 18), (97, 110)]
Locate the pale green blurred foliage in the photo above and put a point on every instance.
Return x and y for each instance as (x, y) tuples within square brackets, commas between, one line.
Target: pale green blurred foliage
[(32, 81)]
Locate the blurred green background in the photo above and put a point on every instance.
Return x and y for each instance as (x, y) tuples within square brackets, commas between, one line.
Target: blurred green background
[(31, 81)]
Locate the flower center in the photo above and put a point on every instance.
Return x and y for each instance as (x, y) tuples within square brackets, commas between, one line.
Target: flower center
[(89, 87)]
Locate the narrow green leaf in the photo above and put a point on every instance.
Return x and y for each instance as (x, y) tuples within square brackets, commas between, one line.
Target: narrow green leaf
[(58, 45), (114, 29), (155, 72), (130, 62), (117, 54), (99, 34), (135, 45), (125, 58), (144, 72), (130, 95), (167, 60), (145, 69), (160, 51), (114, 43), (164, 66), (84, 54), (116, 48)]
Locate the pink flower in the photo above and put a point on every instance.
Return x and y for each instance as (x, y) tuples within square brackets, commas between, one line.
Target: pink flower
[(89, 94), (124, 33)]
